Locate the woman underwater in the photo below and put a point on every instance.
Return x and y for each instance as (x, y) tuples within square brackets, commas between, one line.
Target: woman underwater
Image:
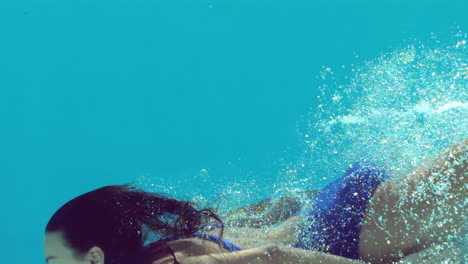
[(351, 220)]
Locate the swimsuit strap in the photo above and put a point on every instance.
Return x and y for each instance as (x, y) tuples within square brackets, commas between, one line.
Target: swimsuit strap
[(224, 243)]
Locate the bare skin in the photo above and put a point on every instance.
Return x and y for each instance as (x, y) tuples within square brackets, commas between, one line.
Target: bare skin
[(388, 232)]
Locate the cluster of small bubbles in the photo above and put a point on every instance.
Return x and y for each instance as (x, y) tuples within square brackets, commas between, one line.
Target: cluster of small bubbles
[(397, 110), (236, 194), (160, 186)]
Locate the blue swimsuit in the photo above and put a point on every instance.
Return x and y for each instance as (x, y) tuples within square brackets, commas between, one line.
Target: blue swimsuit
[(332, 219)]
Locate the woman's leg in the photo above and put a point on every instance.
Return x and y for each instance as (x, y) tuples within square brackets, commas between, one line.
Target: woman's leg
[(426, 207)]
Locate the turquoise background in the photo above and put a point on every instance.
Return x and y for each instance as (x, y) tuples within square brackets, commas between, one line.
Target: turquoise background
[(102, 92)]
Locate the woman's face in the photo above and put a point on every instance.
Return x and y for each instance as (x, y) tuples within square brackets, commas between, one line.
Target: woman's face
[(56, 252)]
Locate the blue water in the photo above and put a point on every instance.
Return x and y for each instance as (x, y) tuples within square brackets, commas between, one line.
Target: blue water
[(208, 99)]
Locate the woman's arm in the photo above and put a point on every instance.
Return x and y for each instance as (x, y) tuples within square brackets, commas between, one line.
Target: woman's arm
[(271, 254)]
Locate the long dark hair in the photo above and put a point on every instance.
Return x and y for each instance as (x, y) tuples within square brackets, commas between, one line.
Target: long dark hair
[(119, 219)]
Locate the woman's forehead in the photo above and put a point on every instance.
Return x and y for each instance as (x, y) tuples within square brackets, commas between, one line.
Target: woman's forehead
[(54, 244)]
